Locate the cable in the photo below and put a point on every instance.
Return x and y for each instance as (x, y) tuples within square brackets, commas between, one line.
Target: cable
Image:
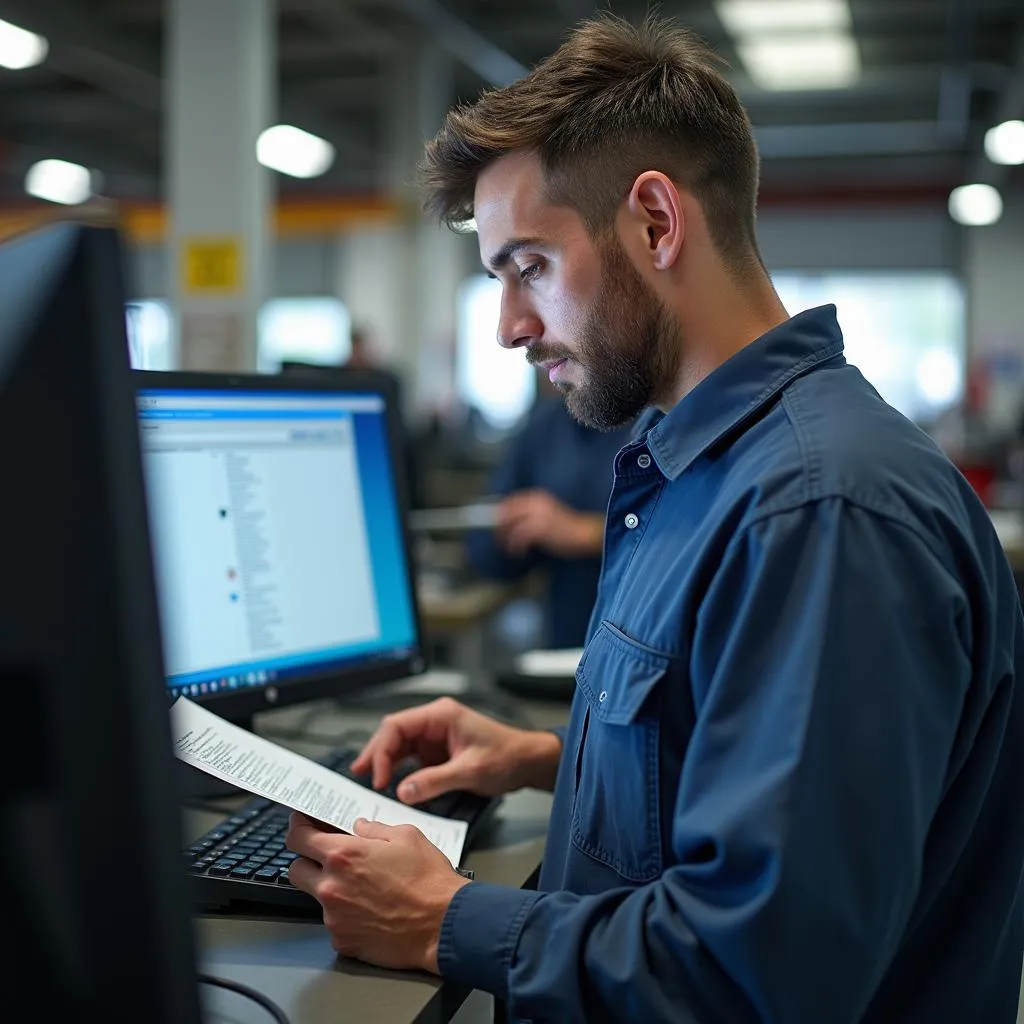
[(266, 1002)]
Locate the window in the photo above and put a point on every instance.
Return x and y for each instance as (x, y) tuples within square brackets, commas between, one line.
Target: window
[(309, 330), (904, 331), (149, 334), (500, 384)]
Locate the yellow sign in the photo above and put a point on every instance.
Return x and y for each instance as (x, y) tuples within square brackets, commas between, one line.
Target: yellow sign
[(212, 266)]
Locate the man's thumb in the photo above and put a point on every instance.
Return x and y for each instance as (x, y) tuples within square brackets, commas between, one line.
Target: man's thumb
[(427, 783)]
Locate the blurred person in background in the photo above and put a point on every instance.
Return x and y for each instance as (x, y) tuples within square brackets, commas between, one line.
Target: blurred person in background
[(554, 482)]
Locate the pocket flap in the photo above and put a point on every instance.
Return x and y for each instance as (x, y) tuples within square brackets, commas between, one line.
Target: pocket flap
[(616, 674)]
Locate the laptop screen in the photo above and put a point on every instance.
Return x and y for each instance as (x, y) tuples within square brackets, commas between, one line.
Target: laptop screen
[(277, 535)]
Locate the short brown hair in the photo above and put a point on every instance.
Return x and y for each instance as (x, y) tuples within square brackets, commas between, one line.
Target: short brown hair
[(614, 100)]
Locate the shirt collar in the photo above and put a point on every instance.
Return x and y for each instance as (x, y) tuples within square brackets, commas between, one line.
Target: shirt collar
[(741, 386)]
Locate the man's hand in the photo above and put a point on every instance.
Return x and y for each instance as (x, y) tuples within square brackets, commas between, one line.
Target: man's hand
[(384, 891), (461, 749), (536, 519)]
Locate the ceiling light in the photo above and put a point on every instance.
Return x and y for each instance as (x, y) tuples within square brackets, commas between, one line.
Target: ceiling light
[(59, 182), (975, 205), (1004, 144), (292, 151), (755, 17), (19, 48), (826, 60)]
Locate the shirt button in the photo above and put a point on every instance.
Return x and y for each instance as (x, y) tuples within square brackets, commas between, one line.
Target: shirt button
[(644, 461), (602, 696), (632, 522)]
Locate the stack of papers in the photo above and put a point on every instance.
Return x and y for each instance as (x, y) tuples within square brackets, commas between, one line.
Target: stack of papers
[(235, 755)]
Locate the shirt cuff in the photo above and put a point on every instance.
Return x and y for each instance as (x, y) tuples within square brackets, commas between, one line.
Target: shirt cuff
[(480, 933)]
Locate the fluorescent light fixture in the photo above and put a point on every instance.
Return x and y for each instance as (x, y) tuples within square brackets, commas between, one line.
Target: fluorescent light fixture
[(824, 60), (1004, 144), (975, 205), (292, 151), (756, 17), (19, 48), (59, 182)]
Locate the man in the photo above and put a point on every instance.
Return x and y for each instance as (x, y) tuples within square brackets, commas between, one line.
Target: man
[(555, 478), (789, 789)]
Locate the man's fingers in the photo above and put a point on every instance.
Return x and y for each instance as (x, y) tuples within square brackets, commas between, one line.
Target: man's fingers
[(366, 829), (520, 537), (427, 783), (305, 874), (364, 759), (311, 839)]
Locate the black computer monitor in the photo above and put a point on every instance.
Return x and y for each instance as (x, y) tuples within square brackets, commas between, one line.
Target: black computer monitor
[(95, 905), (284, 567)]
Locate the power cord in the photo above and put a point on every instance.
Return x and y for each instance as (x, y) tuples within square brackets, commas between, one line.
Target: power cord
[(256, 996)]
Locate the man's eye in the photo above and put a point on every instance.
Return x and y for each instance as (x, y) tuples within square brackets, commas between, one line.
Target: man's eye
[(530, 272)]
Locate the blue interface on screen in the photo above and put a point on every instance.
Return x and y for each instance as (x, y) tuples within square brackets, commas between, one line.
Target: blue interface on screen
[(277, 537)]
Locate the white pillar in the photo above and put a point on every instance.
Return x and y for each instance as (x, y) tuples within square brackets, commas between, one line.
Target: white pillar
[(221, 83), (431, 261)]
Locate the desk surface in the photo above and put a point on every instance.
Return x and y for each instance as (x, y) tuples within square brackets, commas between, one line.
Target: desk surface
[(292, 961)]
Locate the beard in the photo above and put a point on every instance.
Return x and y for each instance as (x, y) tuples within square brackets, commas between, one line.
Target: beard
[(629, 349)]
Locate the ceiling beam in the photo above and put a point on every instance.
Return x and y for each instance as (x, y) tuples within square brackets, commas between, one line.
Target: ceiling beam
[(859, 139), (954, 111), (81, 47), (462, 41), (108, 154), (339, 20), (63, 110), (88, 52), (1008, 107)]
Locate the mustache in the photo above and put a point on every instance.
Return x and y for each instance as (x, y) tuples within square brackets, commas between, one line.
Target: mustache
[(536, 354)]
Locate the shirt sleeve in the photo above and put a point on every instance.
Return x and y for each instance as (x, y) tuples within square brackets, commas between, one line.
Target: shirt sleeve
[(829, 662)]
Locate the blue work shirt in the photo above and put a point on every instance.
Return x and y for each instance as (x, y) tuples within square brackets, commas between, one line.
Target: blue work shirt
[(790, 784), (554, 453)]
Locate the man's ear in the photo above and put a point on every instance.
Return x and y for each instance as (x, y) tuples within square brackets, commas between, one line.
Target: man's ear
[(654, 207)]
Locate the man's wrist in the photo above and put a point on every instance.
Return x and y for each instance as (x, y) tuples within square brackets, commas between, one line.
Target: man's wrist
[(538, 762), (430, 954)]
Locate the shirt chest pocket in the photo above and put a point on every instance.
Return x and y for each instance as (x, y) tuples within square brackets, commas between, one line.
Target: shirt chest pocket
[(616, 814)]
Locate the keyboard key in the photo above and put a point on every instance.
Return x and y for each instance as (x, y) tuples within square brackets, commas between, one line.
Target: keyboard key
[(283, 879), (222, 867), (267, 874), (242, 871)]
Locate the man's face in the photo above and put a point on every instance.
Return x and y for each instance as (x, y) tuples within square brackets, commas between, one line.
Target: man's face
[(581, 310)]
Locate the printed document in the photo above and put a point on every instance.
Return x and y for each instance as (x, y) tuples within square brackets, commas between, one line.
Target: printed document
[(207, 742)]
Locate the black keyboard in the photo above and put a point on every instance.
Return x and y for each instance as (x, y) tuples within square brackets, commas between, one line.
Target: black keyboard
[(242, 862)]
